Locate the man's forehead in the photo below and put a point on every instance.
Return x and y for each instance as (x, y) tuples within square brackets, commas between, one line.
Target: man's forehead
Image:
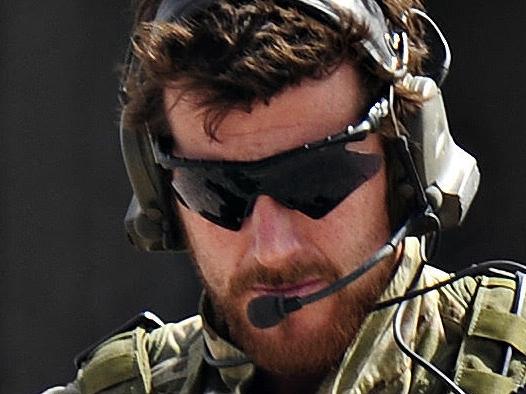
[(313, 108)]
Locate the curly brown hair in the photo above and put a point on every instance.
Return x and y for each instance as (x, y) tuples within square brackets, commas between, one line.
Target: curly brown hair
[(241, 52)]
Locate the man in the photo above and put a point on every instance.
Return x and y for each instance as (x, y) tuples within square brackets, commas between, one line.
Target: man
[(272, 135)]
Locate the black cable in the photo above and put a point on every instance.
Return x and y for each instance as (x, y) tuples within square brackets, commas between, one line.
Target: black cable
[(441, 74), (397, 322), (500, 268), (474, 270)]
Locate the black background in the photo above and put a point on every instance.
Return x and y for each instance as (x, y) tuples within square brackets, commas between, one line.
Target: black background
[(67, 274)]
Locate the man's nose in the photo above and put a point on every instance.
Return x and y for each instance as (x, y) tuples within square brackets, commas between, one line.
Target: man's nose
[(276, 237)]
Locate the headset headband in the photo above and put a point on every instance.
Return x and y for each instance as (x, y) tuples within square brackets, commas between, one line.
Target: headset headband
[(381, 43)]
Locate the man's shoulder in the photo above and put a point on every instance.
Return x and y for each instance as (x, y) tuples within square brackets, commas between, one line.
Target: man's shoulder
[(454, 301), (173, 339), (124, 362)]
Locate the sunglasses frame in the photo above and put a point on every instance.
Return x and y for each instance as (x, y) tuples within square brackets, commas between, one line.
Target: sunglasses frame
[(350, 133)]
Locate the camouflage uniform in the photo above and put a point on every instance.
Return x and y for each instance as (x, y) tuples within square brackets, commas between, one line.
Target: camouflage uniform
[(445, 326)]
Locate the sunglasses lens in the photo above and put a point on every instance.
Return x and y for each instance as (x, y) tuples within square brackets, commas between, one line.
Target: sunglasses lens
[(211, 193), (312, 181), (316, 182)]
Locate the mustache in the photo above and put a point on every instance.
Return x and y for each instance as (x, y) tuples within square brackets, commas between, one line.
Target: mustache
[(290, 273)]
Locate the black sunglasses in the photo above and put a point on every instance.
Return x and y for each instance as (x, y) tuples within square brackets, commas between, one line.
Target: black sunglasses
[(312, 179)]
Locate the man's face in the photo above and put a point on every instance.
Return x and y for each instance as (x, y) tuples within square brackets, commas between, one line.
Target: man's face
[(280, 250)]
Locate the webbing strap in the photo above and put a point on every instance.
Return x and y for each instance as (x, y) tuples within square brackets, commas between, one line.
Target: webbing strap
[(482, 382), (492, 327), (121, 359), (498, 282), (500, 326)]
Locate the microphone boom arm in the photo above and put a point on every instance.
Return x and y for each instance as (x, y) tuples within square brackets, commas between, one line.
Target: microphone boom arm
[(267, 311)]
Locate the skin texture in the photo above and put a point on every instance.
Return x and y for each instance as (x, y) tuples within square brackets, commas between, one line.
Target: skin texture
[(279, 250)]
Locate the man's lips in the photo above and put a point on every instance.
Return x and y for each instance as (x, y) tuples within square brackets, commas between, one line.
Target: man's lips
[(299, 289)]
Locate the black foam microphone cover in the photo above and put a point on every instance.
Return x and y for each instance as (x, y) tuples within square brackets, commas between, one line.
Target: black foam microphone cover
[(267, 311)]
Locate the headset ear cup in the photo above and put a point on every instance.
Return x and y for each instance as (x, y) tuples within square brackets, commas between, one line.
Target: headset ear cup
[(449, 175), (151, 222)]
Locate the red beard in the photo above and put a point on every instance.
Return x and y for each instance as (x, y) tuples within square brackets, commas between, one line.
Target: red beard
[(308, 342)]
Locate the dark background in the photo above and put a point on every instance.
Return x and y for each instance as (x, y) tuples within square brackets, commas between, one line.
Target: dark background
[(67, 274)]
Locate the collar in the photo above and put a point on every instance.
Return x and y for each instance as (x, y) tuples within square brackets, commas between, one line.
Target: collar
[(235, 368)]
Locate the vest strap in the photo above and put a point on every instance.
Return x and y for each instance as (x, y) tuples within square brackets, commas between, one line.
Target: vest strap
[(485, 382), (500, 326), (492, 328), (121, 359)]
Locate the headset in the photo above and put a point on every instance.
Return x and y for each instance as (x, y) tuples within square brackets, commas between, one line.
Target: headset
[(444, 178)]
